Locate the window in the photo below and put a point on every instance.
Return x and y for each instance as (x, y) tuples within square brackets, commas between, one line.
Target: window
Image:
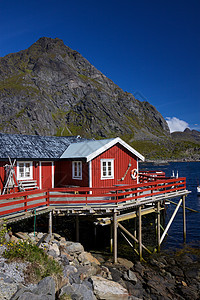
[(107, 168), (24, 170), (77, 170)]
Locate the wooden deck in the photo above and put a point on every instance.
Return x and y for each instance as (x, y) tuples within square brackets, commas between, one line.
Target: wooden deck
[(90, 200), (110, 206)]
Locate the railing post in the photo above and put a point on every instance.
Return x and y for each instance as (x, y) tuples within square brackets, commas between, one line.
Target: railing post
[(25, 203), (86, 200), (47, 197)]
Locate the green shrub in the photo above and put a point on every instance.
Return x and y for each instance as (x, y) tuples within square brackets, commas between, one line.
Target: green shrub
[(3, 231), (40, 266)]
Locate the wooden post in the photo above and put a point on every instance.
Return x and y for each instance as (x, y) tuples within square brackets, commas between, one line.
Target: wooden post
[(77, 228), (140, 232), (135, 230), (50, 222), (115, 237), (111, 238), (184, 221), (158, 225)]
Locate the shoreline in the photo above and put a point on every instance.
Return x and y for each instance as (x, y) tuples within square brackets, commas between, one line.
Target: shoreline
[(168, 276)]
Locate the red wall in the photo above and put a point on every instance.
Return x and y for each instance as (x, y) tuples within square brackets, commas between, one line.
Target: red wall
[(122, 158), (63, 174)]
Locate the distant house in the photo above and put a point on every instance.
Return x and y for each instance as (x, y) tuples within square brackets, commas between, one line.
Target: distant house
[(68, 161)]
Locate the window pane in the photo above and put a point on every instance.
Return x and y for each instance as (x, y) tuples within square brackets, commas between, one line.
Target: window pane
[(77, 169), (107, 168)]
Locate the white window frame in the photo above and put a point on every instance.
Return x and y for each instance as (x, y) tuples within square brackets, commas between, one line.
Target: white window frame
[(104, 164), (31, 170), (77, 165)]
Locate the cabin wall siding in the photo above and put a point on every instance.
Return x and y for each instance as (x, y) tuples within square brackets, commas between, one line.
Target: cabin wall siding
[(121, 157), (63, 174)]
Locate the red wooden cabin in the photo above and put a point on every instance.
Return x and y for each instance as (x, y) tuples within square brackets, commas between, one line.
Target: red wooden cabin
[(48, 162)]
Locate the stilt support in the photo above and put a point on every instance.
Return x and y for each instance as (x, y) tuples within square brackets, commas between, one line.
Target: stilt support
[(115, 237), (158, 225), (184, 221), (111, 238), (140, 232), (77, 228), (50, 223)]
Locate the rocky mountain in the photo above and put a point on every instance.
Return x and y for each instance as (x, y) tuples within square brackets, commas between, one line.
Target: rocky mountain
[(187, 135), (50, 89)]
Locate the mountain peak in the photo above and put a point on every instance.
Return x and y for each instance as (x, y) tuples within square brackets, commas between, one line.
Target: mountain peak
[(46, 42), (50, 89)]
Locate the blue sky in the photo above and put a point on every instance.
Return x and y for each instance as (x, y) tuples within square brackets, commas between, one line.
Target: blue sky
[(148, 48)]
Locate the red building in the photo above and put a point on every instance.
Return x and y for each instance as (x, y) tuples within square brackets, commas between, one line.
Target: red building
[(48, 162)]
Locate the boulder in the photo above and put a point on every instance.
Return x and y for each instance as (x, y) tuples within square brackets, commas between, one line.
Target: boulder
[(125, 262), (69, 270), (108, 290), (77, 291), (45, 287), (73, 248), (40, 235), (130, 276), (57, 236), (55, 248), (86, 258)]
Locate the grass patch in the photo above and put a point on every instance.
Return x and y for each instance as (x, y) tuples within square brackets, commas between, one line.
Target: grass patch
[(40, 265)]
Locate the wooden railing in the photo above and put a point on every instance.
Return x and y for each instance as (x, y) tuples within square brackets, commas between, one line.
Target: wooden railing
[(82, 197), (147, 176)]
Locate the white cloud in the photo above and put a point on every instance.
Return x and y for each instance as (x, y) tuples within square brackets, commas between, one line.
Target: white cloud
[(176, 124)]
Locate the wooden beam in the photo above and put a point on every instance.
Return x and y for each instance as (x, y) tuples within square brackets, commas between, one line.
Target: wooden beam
[(193, 210), (132, 236), (170, 221), (115, 237), (184, 221)]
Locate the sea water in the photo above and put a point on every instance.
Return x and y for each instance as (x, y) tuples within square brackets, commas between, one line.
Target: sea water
[(190, 170)]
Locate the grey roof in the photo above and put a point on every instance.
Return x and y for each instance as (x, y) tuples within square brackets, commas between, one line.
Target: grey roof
[(34, 146), (85, 148)]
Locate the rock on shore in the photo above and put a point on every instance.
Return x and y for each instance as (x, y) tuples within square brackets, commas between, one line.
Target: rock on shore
[(165, 276)]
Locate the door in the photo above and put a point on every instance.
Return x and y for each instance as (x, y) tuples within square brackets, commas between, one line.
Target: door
[(46, 175)]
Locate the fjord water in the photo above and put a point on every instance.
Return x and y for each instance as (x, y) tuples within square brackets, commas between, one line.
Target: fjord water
[(190, 170)]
